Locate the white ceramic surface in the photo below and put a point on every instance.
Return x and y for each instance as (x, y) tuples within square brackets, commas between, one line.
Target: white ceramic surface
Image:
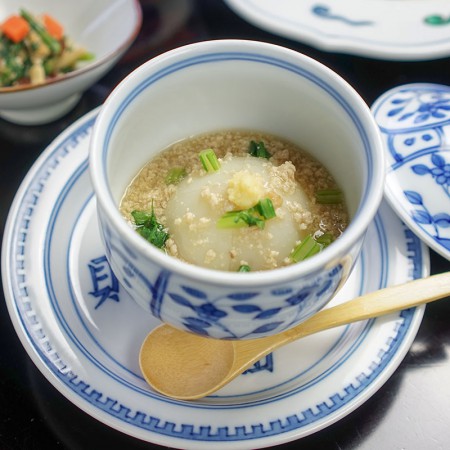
[(83, 331), (217, 85), (105, 27), (414, 120), (384, 29)]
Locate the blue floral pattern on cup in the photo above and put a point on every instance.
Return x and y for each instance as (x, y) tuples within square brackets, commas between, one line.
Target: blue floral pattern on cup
[(202, 313), (415, 124)]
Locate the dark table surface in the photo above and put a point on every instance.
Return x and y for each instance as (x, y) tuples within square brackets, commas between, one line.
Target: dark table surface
[(410, 411)]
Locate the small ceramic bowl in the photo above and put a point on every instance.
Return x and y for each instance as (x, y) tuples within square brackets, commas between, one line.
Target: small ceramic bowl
[(106, 28), (229, 84)]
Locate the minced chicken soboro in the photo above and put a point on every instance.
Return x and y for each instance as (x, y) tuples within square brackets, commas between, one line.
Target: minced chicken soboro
[(191, 209)]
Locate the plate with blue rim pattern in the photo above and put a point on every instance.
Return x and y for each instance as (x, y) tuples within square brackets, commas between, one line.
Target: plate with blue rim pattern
[(83, 332), (414, 121), (382, 29)]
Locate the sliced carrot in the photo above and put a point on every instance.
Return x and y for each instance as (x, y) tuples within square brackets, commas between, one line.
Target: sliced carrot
[(15, 28), (54, 28)]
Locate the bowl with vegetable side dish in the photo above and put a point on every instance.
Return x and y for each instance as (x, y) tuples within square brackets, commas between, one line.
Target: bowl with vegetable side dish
[(51, 52), (234, 184)]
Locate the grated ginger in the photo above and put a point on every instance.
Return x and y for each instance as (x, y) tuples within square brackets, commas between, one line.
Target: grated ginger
[(245, 189)]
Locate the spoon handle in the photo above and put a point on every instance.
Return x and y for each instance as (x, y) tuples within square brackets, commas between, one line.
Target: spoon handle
[(374, 304)]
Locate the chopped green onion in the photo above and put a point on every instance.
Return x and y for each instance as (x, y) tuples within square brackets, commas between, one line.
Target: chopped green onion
[(209, 160), (244, 268), (265, 208), (231, 219), (329, 196), (239, 219), (255, 216), (149, 228), (258, 149), (307, 248), (325, 239), (175, 175)]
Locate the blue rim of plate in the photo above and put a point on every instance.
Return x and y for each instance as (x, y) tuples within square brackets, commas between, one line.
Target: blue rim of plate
[(414, 121), (105, 408)]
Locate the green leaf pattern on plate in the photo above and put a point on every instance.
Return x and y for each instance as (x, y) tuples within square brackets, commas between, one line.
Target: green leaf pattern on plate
[(436, 19)]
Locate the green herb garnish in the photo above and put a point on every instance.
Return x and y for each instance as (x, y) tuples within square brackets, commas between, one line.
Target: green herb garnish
[(209, 160), (255, 216), (175, 175), (244, 268), (329, 196), (258, 149), (149, 228)]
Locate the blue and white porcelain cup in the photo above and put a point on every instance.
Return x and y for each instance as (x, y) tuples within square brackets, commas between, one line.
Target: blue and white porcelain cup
[(229, 84)]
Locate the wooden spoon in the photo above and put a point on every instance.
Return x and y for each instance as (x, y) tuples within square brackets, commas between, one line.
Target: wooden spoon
[(187, 366)]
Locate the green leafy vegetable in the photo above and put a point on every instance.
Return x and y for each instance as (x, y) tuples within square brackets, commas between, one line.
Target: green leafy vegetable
[(258, 149), (175, 175), (14, 64), (209, 160), (329, 196), (149, 228), (244, 268)]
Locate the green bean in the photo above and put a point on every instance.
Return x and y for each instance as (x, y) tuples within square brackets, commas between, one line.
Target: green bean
[(52, 43)]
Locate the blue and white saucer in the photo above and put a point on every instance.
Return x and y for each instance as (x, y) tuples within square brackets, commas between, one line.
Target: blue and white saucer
[(414, 120), (84, 333)]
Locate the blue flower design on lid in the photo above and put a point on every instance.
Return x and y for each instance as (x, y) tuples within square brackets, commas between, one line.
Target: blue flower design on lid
[(414, 121)]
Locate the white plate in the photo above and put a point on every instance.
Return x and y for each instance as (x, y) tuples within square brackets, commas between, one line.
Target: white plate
[(84, 333), (414, 120), (384, 29)]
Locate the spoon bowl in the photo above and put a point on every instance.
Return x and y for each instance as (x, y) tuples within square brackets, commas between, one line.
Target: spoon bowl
[(186, 366), (175, 372)]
